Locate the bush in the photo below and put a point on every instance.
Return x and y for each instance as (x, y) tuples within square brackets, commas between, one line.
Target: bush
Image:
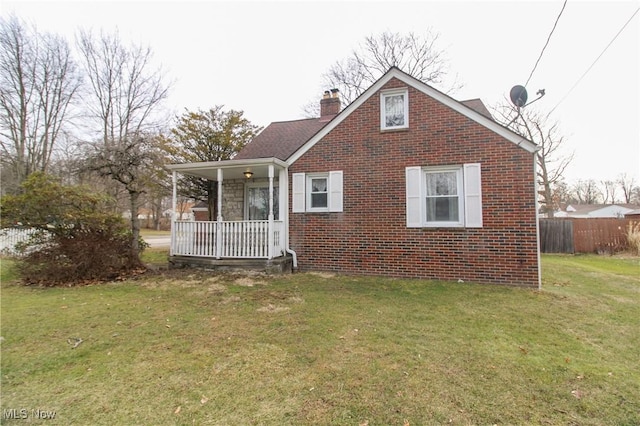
[(633, 237), (75, 241)]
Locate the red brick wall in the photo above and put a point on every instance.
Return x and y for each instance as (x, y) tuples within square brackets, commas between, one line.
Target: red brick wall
[(370, 236)]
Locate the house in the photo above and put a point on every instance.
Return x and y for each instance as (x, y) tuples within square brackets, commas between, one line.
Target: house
[(633, 214), (403, 182), (596, 210)]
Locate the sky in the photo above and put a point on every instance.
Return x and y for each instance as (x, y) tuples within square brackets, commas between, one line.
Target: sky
[(266, 58)]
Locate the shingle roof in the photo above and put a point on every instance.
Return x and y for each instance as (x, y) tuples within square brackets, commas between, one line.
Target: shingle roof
[(478, 106), (281, 139)]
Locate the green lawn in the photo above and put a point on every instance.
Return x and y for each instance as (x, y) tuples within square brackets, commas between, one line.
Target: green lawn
[(191, 348)]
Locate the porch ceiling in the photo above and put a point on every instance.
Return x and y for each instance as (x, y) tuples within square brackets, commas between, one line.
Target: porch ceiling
[(231, 169)]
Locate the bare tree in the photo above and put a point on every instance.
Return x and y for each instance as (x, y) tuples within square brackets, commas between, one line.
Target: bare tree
[(538, 128), (415, 54), (135, 163), (609, 191), (124, 96), (38, 83), (125, 87), (628, 186), (587, 192), (561, 193)]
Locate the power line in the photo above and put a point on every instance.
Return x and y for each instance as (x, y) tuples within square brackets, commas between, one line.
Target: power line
[(596, 60), (545, 45)]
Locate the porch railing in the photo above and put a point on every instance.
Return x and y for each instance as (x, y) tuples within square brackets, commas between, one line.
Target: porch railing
[(228, 239)]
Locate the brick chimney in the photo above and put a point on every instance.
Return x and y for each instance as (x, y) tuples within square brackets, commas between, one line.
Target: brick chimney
[(329, 105)]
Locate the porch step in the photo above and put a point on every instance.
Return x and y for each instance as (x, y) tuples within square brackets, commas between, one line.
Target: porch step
[(279, 265)]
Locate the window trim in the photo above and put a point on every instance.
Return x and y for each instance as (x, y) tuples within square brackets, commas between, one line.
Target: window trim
[(470, 212), (383, 119), (301, 195), (309, 178), (460, 195)]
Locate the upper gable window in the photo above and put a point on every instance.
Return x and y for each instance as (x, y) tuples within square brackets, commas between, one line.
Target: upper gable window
[(394, 109)]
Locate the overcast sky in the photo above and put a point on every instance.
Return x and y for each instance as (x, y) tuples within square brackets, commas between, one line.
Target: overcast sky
[(266, 58)]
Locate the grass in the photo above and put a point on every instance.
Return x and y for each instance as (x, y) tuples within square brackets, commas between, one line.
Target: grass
[(156, 256), (192, 348)]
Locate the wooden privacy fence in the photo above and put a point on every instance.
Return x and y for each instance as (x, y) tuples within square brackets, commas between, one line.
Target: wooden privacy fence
[(581, 235)]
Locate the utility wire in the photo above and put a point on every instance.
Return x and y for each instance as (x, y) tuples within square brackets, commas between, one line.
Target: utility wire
[(545, 45), (596, 60)]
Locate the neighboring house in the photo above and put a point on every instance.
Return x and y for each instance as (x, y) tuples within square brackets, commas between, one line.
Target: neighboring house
[(596, 210), (633, 214), (143, 214), (404, 182), (184, 211), (200, 211)]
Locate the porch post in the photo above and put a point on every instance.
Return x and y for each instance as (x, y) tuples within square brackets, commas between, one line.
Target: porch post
[(270, 217), (174, 215), (219, 218)]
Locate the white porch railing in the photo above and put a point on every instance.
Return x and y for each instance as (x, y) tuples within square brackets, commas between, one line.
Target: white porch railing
[(229, 239)]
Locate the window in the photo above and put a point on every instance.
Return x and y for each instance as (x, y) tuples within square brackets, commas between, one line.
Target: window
[(394, 107), (257, 205), (444, 196), (317, 192)]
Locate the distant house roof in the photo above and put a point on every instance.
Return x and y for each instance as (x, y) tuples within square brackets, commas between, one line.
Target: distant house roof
[(596, 210), (633, 213), (281, 139), (200, 205), (478, 106)]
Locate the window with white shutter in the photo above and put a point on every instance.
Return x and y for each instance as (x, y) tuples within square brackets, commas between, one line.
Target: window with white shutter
[(444, 196), (317, 192)]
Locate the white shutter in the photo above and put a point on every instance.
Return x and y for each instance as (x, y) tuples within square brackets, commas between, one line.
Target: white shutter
[(472, 196), (414, 196), (335, 191), (298, 192)]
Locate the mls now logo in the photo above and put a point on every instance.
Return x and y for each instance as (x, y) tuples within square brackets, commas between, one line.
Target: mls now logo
[(15, 413), (23, 413)]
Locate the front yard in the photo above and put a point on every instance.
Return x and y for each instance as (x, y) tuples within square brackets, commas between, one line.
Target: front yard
[(194, 348)]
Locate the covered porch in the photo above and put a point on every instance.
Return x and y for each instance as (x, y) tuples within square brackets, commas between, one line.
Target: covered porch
[(255, 227)]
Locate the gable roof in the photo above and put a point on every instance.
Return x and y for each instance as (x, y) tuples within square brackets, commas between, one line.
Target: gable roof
[(460, 107), (281, 139), (288, 140)]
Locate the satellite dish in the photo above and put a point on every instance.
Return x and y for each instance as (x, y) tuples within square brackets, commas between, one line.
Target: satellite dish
[(518, 96)]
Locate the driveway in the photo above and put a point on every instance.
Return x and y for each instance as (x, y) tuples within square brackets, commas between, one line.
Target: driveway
[(158, 240)]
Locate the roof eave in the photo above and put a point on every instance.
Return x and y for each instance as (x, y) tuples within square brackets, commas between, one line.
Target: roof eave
[(227, 164)]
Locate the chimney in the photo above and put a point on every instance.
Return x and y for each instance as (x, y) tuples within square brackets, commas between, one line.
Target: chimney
[(329, 105)]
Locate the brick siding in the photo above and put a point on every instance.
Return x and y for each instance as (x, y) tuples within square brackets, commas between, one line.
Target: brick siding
[(370, 236)]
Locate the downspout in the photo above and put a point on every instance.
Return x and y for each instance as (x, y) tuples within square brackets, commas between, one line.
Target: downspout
[(293, 255), (284, 195), (535, 182)]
